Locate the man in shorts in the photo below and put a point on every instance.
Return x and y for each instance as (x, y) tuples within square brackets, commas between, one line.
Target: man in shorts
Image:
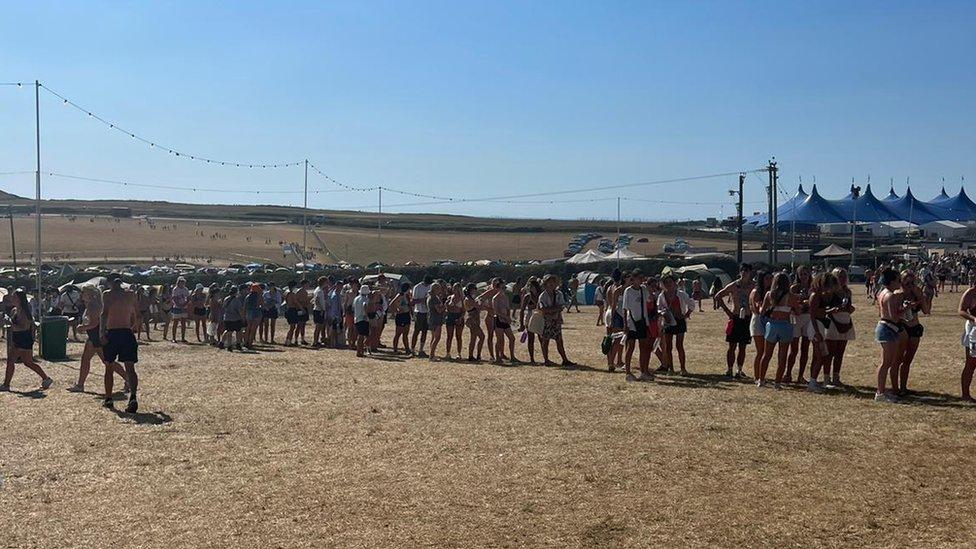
[(320, 312), (120, 315), (420, 324), (503, 323), (740, 315)]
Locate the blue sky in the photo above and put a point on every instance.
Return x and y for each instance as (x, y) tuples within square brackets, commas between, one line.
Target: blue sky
[(493, 98)]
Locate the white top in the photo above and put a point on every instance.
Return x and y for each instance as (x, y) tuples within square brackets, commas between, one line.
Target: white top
[(545, 299), (420, 292), (598, 293), (633, 300), (320, 300), (359, 308), (180, 296), (686, 305)]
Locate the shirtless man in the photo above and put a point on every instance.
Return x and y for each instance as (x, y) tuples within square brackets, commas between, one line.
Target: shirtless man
[(740, 315), (120, 315), (304, 304), (503, 323)]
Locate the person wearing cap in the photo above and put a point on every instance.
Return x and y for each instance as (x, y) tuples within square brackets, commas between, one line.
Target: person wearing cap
[(180, 298), (233, 319), (272, 305), (119, 316), (198, 311), (253, 312), (360, 316)]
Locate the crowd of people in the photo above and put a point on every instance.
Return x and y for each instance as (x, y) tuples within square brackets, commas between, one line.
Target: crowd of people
[(802, 317)]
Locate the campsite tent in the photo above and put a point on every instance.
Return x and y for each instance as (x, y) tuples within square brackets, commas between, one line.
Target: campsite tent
[(589, 256), (625, 254), (699, 272)]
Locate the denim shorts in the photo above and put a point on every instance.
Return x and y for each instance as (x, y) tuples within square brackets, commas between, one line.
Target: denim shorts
[(778, 331), (884, 333)]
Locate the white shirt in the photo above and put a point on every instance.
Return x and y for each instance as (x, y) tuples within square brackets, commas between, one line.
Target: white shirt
[(320, 302), (685, 304), (359, 308), (634, 302), (545, 299), (180, 296), (598, 294), (420, 292)]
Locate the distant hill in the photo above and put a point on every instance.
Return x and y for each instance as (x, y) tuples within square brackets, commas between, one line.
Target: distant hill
[(7, 197)]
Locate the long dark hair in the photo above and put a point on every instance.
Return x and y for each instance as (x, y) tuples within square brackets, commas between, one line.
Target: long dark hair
[(761, 288), (24, 307), (781, 287)]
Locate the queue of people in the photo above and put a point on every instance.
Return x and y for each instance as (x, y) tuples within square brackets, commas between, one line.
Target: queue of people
[(802, 317)]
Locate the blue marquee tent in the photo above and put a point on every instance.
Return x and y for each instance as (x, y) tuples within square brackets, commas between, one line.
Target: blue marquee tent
[(812, 209), (955, 208), (866, 208), (910, 209), (789, 205)]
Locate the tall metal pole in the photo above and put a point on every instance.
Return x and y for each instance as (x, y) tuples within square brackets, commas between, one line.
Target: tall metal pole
[(617, 246), (775, 181), (305, 221), (379, 214), (37, 206), (738, 222), (13, 241), (770, 218), (855, 193)]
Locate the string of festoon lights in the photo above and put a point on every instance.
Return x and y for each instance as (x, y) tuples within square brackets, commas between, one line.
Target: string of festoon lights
[(154, 144), (512, 199)]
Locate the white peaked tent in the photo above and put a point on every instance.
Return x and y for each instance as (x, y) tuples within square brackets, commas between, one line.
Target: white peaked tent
[(624, 253), (589, 256)]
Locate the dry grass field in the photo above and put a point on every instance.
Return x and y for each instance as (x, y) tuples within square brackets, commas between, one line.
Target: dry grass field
[(303, 448), (133, 240)]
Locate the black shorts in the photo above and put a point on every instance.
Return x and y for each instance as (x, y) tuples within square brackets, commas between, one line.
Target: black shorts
[(680, 327), (639, 331), (95, 336), (302, 317), (402, 319), (200, 312), (291, 315), (362, 327), (420, 319), (121, 346), (501, 324), (270, 314), (452, 318), (318, 317), (915, 331), (740, 331), (233, 325), (23, 339)]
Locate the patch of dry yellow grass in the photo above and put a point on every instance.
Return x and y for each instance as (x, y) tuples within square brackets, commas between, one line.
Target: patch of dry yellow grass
[(301, 448), (132, 240)]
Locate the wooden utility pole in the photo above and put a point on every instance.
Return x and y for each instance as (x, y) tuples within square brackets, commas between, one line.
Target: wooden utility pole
[(738, 222)]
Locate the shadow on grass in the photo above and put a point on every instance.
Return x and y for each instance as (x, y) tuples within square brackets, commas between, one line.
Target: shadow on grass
[(35, 394), (144, 418)]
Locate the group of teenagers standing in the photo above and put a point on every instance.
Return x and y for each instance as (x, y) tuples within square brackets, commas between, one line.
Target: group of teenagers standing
[(802, 318)]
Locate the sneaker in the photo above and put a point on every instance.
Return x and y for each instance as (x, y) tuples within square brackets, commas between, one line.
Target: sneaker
[(880, 397), (4, 388), (729, 374), (891, 397), (107, 403), (814, 386), (611, 368), (647, 377), (837, 382), (777, 386), (760, 384), (132, 407), (630, 377), (46, 382), (739, 375), (76, 388)]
